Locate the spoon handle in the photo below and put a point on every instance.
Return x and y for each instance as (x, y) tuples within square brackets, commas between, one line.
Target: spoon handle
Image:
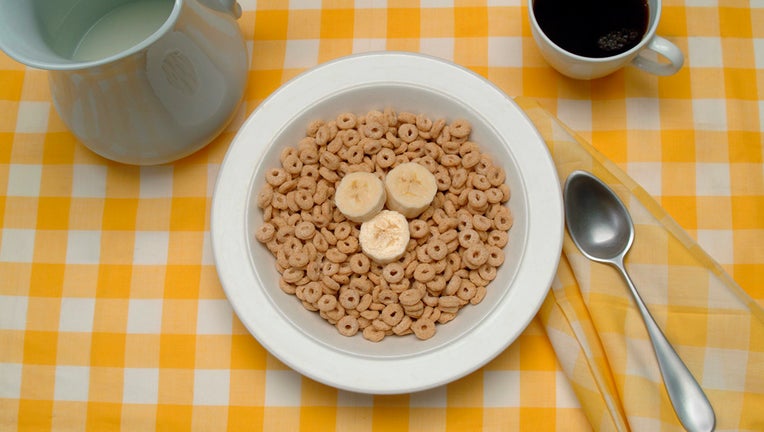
[(690, 403)]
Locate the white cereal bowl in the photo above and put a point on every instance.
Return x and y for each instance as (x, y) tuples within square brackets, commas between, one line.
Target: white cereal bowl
[(404, 82)]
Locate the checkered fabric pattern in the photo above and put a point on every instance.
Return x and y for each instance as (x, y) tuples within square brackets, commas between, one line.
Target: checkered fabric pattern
[(112, 316)]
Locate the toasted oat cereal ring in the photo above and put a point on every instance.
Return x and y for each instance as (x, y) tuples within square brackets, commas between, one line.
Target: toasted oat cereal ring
[(494, 195), (497, 238), (392, 314), (342, 230), (496, 176), (495, 256), (333, 254), (350, 137), (326, 303), (436, 249), (312, 292), (387, 296), (480, 182), (451, 148), (335, 145), (365, 302), (475, 256), (407, 132), (323, 135), (507, 193), (374, 130), (385, 158), (422, 257), (476, 279), (443, 181), (292, 164), (286, 152), (330, 268), (450, 160), (283, 233), (329, 160), (433, 150), (481, 223), (393, 272), (304, 199), (313, 127), (453, 286), (349, 298), (437, 284), (329, 285), (423, 328), (471, 159), (466, 291), (477, 199), (449, 301), (487, 272), (304, 230), (403, 326), (410, 297), (468, 237), (371, 146), (459, 178), (265, 233), (406, 117), (299, 259), (446, 317), (308, 156), (287, 287), (328, 174), (276, 176), (485, 164), (348, 245), (460, 128), (308, 183), (437, 127), (381, 325), (335, 314), (354, 155), (264, 196), (319, 241), (362, 284), (371, 314), (480, 293), (359, 263), (346, 120), (503, 220), (348, 325), (373, 335)]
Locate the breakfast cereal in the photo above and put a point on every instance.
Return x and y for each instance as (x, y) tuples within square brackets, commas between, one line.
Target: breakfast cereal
[(455, 245)]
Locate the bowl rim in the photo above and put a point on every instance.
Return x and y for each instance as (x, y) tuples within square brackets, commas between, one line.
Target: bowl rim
[(508, 318)]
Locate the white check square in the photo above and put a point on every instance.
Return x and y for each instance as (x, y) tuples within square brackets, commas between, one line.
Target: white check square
[(141, 385), (72, 383)]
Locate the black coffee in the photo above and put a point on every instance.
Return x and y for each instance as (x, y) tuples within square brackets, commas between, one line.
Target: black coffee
[(593, 28)]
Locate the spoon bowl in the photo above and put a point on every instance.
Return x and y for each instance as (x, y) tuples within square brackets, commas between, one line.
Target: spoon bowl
[(601, 227)]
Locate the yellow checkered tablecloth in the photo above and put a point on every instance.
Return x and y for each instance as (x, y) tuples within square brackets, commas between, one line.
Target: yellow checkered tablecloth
[(112, 316)]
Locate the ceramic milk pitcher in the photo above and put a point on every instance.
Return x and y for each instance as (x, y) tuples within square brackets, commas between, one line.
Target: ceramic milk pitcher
[(137, 81)]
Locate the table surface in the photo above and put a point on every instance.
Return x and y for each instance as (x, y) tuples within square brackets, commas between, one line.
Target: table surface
[(111, 312)]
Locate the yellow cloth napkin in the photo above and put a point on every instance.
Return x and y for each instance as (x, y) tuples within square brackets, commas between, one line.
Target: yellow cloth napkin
[(598, 334)]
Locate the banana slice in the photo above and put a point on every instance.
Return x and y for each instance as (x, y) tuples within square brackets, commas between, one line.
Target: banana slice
[(385, 237), (360, 196), (410, 189)]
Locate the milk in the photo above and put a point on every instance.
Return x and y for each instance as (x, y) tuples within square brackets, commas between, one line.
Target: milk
[(122, 28)]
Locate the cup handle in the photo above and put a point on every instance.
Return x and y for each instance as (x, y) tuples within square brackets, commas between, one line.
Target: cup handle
[(667, 50)]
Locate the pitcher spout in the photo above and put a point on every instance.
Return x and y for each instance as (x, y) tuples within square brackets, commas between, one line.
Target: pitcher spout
[(229, 6)]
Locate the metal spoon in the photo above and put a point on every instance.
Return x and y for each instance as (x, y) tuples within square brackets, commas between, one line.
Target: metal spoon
[(601, 227)]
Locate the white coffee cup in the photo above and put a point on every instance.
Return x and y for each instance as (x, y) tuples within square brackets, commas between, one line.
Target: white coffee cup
[(580, 67)]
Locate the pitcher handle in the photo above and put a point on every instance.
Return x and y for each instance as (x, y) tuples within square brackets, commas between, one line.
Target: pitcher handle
[(230, 6)]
